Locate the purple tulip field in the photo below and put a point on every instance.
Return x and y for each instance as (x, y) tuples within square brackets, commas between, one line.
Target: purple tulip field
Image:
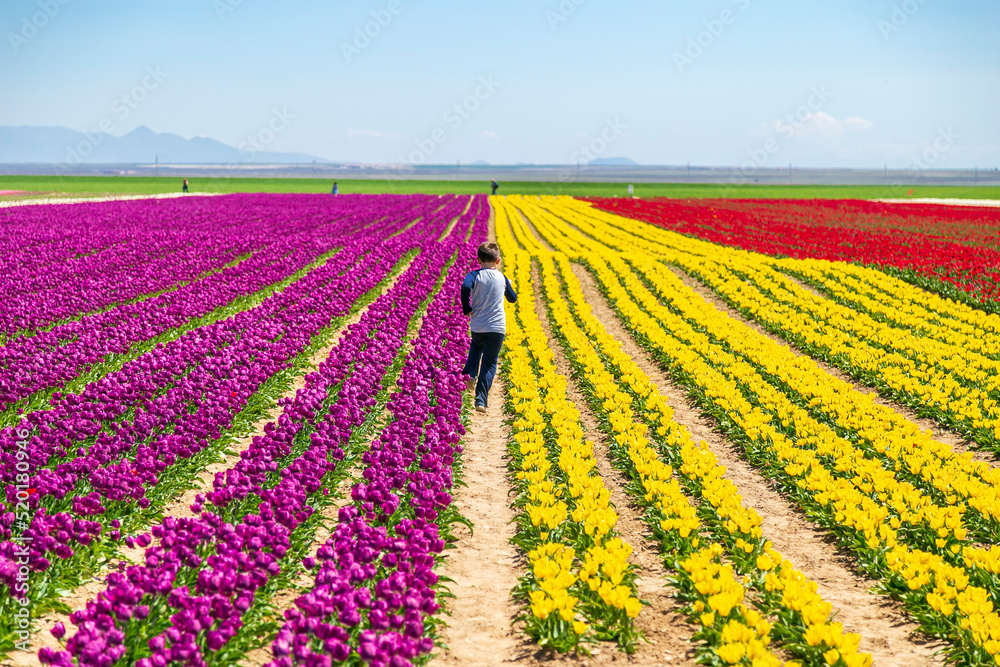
[(241, 415), (235, 432)]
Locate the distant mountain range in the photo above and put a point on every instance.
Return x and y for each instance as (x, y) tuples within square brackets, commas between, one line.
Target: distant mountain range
[(49, 145), (54, 145)]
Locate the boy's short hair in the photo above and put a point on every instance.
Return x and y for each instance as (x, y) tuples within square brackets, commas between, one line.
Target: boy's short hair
[(488, 253)]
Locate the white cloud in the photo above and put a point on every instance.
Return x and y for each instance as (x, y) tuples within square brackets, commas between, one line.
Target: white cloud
[(858, 123), (818, 124), (490, 134)]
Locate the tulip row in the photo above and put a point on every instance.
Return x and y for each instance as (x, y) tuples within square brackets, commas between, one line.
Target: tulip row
[(248, 553), (934, 473), (357, 542), (174, 442), (258, 505), (899, 301), (866, 518), (351, 423), (375, 595), (101, 341), (731, 631), (82, 351), (802, 618), (958, 267), (938, 476), (244, 302), (671, 517), (174, 283), (892, 300), (63, 261), (944, 380), (137, 399), (907, 572), (882, 434), (971, 336), (58, 273), (862, 504), (448, 430), (695, 314), (137, 451), (949, 480), (580, 586), (197, 368)]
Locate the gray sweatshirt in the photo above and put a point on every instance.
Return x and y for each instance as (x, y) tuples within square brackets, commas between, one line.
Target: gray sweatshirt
[(483, 292)]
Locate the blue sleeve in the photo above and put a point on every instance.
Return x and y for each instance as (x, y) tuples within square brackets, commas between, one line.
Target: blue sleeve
[(467, 284), (509, 291)]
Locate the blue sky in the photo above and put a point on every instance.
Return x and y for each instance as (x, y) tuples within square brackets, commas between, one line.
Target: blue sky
[(813, 83)]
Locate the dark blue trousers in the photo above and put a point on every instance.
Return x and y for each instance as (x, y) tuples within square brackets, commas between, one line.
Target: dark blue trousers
[(482, 362)]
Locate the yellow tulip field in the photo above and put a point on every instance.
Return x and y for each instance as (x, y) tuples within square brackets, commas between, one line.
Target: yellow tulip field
[(816, 372)]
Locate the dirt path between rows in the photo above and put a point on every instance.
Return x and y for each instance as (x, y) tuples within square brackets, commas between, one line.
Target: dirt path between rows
[(666, 630), (885, 631), (454, 221), (484, 565), (538, 237)]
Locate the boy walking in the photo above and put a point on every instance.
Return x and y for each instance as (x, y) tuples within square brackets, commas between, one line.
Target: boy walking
[(483, 292)]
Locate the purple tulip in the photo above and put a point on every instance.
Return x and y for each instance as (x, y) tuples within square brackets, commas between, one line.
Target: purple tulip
[(370, 545)]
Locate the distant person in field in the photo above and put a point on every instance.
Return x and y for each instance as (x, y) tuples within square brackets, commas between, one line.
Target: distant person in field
[(494, 185), (334, 191), (184, 188), (483, 292)]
